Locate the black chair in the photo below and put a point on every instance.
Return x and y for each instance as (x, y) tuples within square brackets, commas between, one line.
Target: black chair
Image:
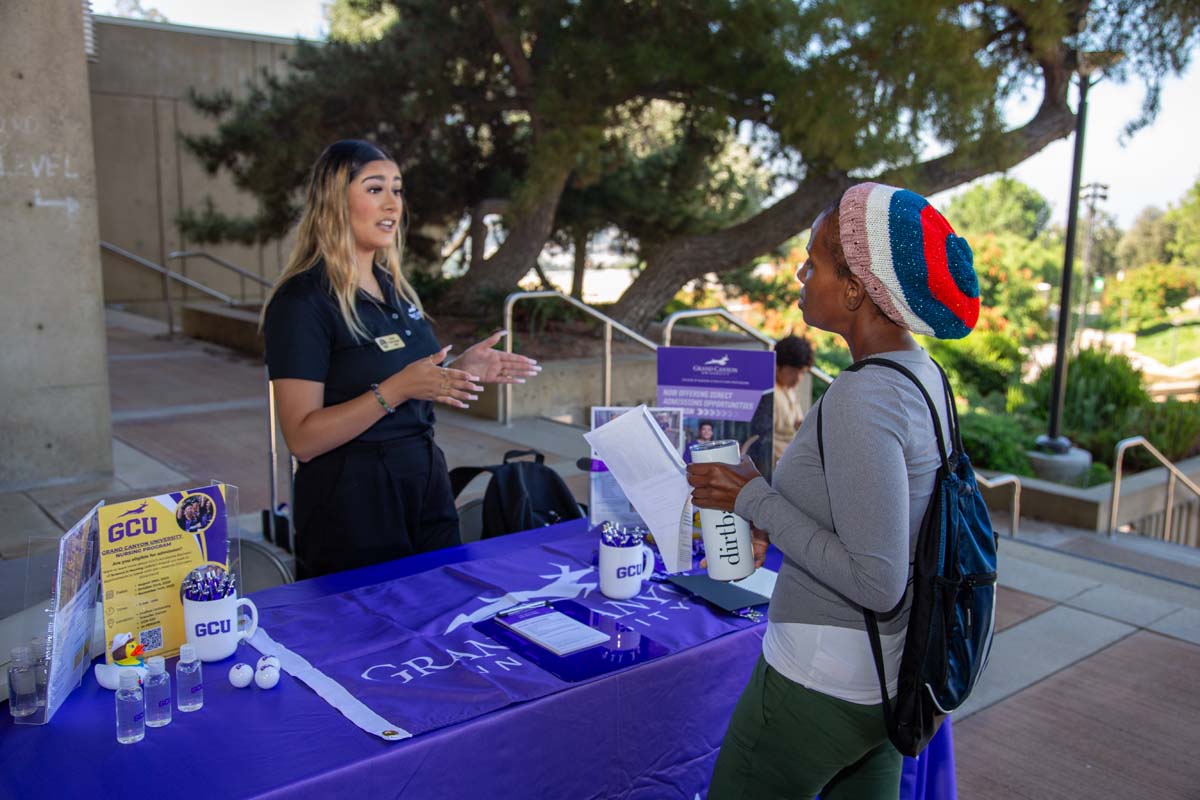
[(262, 567), (470, 520)]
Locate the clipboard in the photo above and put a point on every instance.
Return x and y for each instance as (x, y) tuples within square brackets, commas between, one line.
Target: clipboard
[(548, 627), (623, 648)]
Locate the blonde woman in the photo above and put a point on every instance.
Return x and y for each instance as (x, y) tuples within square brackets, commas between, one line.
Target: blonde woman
[(356, 368)]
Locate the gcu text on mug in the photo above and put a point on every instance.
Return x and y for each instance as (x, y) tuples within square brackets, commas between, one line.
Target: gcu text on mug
[(622, 569), (212, 626), (726, 535)]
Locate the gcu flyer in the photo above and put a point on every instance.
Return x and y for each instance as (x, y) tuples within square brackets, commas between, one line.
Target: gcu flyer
[(147, 546), (725, 394)]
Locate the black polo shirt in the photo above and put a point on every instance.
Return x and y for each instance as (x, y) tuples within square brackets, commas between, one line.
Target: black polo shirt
[(307, 338)]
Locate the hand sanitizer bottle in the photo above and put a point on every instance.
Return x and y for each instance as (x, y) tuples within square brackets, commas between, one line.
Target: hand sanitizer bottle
[(131, 709), (158, 693), (189, 681)]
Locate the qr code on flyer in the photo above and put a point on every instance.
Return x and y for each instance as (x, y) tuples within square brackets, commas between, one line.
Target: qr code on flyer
[(151, 639)]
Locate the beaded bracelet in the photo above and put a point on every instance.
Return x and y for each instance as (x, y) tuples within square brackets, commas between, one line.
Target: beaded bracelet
[(379, 397)]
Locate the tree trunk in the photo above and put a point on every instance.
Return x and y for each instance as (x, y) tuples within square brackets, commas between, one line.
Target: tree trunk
[(674, 263), (478, 230), (479, 233), (581, 243), (474, 293), (678, 261)]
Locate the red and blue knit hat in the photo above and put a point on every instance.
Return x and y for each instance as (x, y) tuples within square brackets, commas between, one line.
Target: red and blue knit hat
[(916, 269)]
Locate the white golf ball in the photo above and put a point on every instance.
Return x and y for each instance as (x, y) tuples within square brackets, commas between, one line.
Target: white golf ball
[(268, 660), (240, 675), (267, 677)]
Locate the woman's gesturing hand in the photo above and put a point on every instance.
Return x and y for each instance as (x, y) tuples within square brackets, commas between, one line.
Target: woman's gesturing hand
[(717, 485), (496, 366), (426, 379)]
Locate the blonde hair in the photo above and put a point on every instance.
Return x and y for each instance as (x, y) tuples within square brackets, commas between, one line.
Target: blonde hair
[(325, 235)]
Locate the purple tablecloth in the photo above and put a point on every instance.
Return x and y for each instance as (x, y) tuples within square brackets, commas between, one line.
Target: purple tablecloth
[(647, 732)]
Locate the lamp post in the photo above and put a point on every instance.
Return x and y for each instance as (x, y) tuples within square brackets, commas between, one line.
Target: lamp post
[(1092, 193), (1053, 441)]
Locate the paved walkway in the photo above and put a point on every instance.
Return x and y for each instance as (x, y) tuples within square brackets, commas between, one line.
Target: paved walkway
[(1090, 690), (1091, 687)]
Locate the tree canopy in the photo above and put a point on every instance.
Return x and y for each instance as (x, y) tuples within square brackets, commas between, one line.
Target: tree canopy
[(1146, 242), (1002, 205), (526, 103), (1184, 220)]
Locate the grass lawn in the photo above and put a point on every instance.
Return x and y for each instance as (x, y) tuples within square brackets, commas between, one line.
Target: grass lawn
[(1169, 344)]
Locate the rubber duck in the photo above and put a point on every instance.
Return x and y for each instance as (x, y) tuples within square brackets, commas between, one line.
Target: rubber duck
[(126, 651)]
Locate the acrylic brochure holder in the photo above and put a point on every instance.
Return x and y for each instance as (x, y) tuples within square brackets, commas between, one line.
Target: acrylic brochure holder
[(56, 617), (625, 646), (233, 533)]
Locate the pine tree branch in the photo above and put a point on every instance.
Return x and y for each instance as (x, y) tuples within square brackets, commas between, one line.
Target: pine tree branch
[(509, 40)]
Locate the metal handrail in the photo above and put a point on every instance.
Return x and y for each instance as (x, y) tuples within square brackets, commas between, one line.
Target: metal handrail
[(725, 313), (167, 276), (1173, 474), (242, 273), (1004, 480), (609, 324)]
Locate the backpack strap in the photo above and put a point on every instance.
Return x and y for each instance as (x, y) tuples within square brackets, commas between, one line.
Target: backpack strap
[(955, 429), (461, 476), (877, 651), (512, 455)]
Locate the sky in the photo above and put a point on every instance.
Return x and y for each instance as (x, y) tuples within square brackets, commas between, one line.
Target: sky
[(1156, 167)]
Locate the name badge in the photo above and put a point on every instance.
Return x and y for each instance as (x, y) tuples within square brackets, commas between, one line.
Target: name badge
[(390, 342)]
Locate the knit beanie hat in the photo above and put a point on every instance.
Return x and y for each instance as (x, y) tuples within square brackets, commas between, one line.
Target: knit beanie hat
[(916, 269)]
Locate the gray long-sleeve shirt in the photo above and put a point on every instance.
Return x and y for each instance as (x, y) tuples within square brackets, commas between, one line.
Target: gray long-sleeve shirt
[(848, 532)]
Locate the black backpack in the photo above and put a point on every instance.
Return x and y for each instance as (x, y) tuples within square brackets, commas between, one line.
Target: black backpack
[(521, 494), (952, 618)]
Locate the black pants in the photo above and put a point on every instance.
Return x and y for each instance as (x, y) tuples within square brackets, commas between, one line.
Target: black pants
[(364, 504)]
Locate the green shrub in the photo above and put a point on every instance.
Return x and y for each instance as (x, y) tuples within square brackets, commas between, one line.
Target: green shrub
[(1173, 427), (1098, 473), (998, 442), (1103, 401), (982, 364)]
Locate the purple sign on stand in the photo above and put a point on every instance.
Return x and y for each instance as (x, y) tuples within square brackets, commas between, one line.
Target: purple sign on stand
[(725, 394)]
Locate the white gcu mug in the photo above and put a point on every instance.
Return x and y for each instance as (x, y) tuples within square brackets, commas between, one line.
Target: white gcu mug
[(623, 568), (212, 626), (726, 535)]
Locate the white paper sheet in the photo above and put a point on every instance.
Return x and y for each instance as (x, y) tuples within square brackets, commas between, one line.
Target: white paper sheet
[(761, 581), (555, 631), (654, 478)]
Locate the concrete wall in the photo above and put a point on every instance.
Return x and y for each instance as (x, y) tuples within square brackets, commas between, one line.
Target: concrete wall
[(54, 408), (1143, 496), (144, 176)]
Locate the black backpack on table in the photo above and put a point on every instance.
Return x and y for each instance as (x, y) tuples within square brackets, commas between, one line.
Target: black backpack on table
[(952, 618), (521, 494)]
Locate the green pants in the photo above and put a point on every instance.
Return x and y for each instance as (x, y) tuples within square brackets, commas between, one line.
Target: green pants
[(786, 741)]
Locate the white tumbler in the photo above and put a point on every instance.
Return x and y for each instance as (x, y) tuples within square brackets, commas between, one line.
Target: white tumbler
[(726, 535)]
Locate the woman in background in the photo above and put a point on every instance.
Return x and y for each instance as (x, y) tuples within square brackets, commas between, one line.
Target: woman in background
[(793, 358)]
